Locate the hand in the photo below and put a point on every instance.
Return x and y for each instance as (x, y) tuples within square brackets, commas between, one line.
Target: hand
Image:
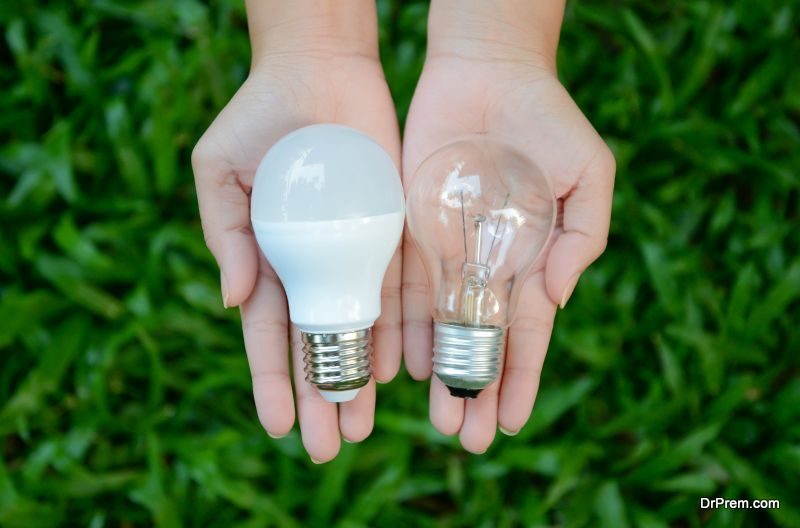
[(518, 97), (284, 91)]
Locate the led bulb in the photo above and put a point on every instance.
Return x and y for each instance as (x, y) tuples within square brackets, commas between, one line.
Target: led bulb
[(480, 213), (327, 210)]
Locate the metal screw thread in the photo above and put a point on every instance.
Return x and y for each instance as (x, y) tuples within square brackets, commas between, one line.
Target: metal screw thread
[(337, 362), (467, 357)]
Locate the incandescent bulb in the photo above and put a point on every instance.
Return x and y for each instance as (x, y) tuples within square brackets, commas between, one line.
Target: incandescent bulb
[(327, 210), (480, 213)]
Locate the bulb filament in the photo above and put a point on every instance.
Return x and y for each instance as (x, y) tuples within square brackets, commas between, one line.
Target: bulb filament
[(474, 274)]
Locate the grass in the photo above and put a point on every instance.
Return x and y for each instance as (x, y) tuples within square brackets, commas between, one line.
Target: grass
[(673, 375)]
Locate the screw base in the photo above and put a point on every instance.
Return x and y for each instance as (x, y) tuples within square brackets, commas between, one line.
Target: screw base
[(338, 364), (466, 358)]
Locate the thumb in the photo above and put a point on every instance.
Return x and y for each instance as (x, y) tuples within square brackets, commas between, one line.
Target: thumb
[(587, 214), (225, 215)]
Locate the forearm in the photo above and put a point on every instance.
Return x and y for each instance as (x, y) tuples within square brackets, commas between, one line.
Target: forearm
[(312, 26), (491, 28)]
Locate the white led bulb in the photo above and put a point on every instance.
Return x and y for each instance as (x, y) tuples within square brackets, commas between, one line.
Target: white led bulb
[(327, 210)]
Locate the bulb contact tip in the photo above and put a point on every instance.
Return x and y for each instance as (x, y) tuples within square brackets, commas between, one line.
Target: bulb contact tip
[(463, 393)]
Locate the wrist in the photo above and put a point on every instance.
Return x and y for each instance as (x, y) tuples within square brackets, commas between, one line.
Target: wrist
[(496, 30), (321, 28)]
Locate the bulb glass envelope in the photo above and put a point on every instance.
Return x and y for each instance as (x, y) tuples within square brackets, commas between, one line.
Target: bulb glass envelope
[(480, 213)]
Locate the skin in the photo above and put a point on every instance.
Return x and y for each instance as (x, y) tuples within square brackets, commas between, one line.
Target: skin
[(480, 78), (487, 70)]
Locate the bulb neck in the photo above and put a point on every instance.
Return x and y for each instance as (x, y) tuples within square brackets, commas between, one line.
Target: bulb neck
[(338, 364), (466, 358)]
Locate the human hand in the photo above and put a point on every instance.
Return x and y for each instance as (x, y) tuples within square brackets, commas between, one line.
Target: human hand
[(309, 75), (471, 84)]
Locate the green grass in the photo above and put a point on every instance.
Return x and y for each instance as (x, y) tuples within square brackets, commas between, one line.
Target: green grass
[(674, 373)]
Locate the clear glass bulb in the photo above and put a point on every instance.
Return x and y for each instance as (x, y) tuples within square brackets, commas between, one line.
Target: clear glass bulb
[(480, 213), (327, 210)]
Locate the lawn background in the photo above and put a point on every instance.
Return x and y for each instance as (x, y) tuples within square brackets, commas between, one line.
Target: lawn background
[(673, 374)]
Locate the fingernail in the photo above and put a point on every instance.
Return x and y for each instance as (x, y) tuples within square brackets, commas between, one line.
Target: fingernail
[(346, 441), (224, 285), (276, 437), (571, 283), (507, 432), (314, 460)]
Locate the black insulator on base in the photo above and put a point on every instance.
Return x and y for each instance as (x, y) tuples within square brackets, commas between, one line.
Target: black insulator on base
[(463, 393)]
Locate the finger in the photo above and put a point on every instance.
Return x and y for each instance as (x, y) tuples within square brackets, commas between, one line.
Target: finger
[(528, 339), (357, 417), (224, 203), (319, 421), (265, 327), (388, 333), (587, 213), (417, 321), (480, 420), (447, 412)]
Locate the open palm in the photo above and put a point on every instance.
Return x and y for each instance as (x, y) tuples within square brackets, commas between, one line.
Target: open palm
[(282, 94), (523, 103)]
